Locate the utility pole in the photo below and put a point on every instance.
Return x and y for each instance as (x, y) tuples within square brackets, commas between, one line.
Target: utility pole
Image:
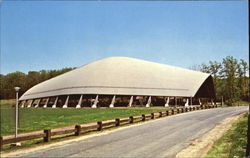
[(17, 89), (17, 143)]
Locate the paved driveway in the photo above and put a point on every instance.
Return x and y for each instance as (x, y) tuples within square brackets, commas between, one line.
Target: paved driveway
[(159, 138)]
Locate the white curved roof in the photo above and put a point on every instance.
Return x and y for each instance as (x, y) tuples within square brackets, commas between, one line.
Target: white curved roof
[(121, 76)]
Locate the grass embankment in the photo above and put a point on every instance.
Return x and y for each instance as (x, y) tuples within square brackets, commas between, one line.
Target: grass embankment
[(241, 103), (33, 119), (232, 144)]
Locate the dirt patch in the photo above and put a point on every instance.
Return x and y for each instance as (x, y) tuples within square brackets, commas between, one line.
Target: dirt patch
[(200, 146)]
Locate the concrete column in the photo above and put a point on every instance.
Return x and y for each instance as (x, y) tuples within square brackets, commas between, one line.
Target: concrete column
[(199, 101), (66, 103), (149, 102), (131, 101), (95, 102), (54, 106), (175, 99), (23, 103), (46, 103), (30, 103), (191, 101), (38, 102), (212, 101), (112, 102), (222, 103), (186, 104), (167, 102), (79, 103)]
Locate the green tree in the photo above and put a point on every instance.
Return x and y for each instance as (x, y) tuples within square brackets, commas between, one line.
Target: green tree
[(229, 71), (25, 81)]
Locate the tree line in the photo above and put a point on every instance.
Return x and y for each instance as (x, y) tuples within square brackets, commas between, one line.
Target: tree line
[(25, 81), (230, 78)]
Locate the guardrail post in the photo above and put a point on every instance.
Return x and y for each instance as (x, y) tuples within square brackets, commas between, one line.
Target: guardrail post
[(1, 143), (167, 113), (152, 116), (193, 108), (160, 114), (117, 122), (143, 117), (131, 119), (78, 130), (182, 110), (99, 123), (172, 111), (47, 135)]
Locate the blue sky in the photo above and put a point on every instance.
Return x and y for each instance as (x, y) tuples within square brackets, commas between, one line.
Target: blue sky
[(53, 35)]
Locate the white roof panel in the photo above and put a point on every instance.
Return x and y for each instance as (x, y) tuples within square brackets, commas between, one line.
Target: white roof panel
[(121, 76)]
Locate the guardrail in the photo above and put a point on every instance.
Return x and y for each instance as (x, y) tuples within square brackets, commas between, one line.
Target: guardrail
[(47, 134)]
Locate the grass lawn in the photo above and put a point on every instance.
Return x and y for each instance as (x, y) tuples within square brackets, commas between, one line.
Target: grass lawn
[(232, 143), (32, 119)]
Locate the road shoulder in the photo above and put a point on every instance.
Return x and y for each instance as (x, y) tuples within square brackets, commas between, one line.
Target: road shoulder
[(200, 146)]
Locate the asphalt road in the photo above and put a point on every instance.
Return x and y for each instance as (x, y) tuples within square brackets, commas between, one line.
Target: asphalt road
[(159, 138)]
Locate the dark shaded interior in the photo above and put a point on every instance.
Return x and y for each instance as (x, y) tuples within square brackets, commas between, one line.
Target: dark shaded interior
[(207, 89)]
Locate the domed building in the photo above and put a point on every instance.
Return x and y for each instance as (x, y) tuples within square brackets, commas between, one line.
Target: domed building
[(121, 81)]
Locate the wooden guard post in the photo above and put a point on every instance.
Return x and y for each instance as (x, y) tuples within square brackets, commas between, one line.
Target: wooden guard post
[(131, 119), (99, 123), (78, 130), (47, 135), (143, 117), (117, 122), (1, 143)]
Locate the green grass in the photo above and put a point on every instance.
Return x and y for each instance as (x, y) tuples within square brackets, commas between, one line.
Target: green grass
[(232, 144), (32, 119), (241, 103)]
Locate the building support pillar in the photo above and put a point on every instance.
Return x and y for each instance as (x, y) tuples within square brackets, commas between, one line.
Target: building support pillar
[(222, 102), (54, 105), (46, 103), (186, 104), (23, 103), (38, 102), (66, 103), (30, 103), (95, 102), (191, 101), (112, 102), (212, 101), (79, 102), (175, 99), (131, 101), (167, 102), (149, 102), (200, 101)]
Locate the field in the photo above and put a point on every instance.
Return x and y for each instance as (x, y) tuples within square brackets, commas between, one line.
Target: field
[(31, 119), (233, 142)]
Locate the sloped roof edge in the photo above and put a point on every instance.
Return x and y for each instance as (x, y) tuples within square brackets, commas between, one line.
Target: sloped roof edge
[(121, 76)]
